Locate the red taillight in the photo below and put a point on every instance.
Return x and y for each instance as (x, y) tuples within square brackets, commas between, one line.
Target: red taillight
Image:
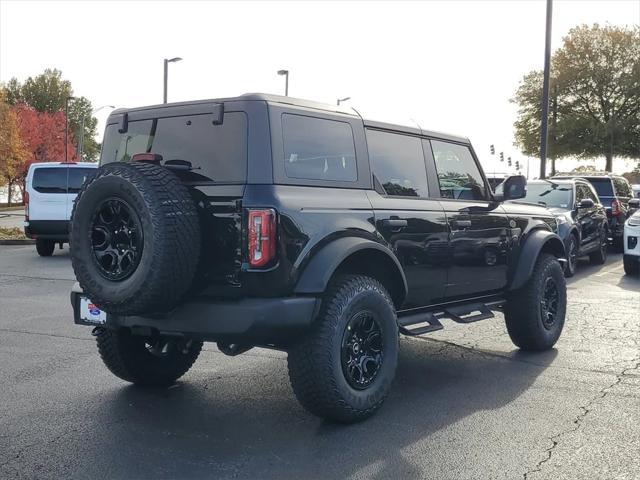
[(616, 208), (26, 206), (262, 236)]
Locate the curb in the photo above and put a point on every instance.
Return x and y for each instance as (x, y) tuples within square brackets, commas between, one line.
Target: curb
[(21, 241)]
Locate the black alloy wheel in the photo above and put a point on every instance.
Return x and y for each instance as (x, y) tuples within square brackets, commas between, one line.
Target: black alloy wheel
[(362, 352), (572, 256), (116, 239), (549, 303)]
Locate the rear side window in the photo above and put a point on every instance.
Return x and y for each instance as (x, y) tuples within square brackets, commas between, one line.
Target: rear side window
[(397, 161), (603, 186), (318, 149), (458, 173), (622, 187), (50, 180), (216, 152), (77, 176)]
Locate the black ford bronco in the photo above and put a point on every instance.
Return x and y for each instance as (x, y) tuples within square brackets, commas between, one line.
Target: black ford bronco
[(267, 221)]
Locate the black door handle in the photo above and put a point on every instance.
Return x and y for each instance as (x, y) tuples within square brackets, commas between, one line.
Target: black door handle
[(394, 223)]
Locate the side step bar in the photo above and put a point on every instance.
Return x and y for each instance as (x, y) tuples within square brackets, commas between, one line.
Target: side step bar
[(429, 321)]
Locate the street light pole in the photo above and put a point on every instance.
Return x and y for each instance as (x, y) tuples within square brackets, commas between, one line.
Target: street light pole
[(544, 131), (66, 127), (343, 100), (166, 75), (286, 81)]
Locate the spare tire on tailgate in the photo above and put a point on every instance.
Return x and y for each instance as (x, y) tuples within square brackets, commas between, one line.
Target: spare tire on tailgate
[(135, 238)]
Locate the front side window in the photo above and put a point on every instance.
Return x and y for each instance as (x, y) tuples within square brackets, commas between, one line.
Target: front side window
[(458, 173), (397, 161), (318, 149), (622, 187), (216, 152), (50, 180)]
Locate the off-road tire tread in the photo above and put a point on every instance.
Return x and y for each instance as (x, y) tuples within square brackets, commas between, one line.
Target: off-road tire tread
[(522, 307), (310, 362), (115, 349), (176, 235)]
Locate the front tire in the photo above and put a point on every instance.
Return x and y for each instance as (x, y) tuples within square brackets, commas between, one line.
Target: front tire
[(45, 248), (599, 257), (149, 361), (343, 368), (535, 313), (572, 256), (631, 265)]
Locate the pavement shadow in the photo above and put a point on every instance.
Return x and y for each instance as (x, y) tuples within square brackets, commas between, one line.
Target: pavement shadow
[(630, 282), (248, 424)]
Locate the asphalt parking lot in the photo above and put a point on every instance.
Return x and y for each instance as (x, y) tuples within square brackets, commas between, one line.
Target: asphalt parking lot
[(465, 405)]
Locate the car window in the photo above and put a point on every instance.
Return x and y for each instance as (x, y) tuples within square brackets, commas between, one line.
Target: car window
[(622, 187), (580, 193), (549, 194), (591, 193), (50, 180), (397, 161), (216, 152), (603, 186), (77, 176), (458, 173), (318, 149)]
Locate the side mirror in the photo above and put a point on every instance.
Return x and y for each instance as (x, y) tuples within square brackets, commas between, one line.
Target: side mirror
[(513, 187), (634, 203), (586, 203)]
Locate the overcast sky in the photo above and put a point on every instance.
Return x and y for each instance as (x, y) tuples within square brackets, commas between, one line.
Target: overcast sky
[(447, 65)]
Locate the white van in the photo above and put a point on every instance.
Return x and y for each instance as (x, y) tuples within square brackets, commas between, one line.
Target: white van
[(51, 188)]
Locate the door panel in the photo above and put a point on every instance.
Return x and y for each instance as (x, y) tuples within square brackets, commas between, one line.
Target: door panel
[(480, 242), (416, 230)]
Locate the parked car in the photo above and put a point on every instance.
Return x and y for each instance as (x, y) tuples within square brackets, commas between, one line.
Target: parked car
[(263, 220), (636, 190), (51, 188), (582, 220), (631, 256), (614, 192)]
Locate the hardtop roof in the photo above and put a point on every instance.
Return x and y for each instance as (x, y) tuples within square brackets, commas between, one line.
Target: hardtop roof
[(303, 103)]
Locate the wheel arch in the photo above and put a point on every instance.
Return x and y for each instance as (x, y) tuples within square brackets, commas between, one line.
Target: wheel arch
[(354, 255), (537, 242)]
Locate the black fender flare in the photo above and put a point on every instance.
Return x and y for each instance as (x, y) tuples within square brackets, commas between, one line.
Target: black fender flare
[(316, 275), (536, 242)]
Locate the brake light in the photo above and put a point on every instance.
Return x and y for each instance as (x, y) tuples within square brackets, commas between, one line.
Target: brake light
[(616, 208), (26, 206), (262, 236)]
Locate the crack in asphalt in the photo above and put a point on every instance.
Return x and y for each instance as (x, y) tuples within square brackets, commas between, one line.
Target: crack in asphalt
[(577, 421)]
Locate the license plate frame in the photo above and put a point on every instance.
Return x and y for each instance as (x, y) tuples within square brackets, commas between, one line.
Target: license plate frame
[(89, 313)]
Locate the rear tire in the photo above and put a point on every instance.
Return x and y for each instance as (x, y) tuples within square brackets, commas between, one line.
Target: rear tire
[(631, 265), (535, 313), (343, 368), (45, 248), (150, 361), (618, 244)]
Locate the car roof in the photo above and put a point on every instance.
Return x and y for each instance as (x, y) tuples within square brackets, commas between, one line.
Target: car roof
[(303, 103), (63, 164)]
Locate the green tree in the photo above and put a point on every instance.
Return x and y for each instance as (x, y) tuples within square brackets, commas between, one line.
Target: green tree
[(594, 97), (48, 92)]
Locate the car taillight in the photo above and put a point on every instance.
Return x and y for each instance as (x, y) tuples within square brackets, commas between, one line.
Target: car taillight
[(616, 208), (262, 236), (26, 206)]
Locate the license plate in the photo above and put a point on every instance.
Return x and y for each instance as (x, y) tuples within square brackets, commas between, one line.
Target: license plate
[(89, 312)]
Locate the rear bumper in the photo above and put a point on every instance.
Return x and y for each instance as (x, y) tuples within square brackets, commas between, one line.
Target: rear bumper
[(47, 229), (257, 321)]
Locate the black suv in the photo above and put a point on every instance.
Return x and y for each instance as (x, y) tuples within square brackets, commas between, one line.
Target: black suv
[(267, 221), (614, 193), (582, 220)]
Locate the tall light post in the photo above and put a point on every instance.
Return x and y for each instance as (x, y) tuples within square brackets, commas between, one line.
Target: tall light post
[(544, 131), (66, 127), (166, 73), (286, 81), (340, 100), (81, 146)]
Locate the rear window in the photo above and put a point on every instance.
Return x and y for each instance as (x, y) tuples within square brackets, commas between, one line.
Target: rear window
[(318, 149), (603, 186), (217, 153), (50, 180), (54, 179)]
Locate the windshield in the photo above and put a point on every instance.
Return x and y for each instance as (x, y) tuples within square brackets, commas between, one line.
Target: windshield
[(549, 194)]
